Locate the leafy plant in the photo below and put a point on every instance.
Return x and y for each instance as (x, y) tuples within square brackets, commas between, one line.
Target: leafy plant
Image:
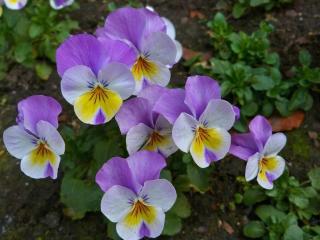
[(241, 7), (31, 36), (289, 211)]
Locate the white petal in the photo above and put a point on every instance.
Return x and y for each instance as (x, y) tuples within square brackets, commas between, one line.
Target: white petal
[(183, 131), (252, 166), (77, 81), (40, 170), (66, 3), (218, 113), (18, 142), (274, 144), (278, 171), (179, 51), (170, 29), (119, 79), (15, 5), (115, 203), (137, 136), (156, 227), (162, 76), (159, 193), (50, 134), (128, 232), (265, 183)]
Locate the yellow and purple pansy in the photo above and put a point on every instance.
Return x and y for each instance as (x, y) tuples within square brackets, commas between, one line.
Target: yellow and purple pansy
[(35, 140), (200, 118), (95, 76), (135, 198), (14, 4), (144, 128), (59, 4), (156, 51), (260, 149)]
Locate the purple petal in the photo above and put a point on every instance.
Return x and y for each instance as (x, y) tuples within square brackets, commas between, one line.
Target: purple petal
[(243, 145), (133, 112), (210, 156), (119, 51), (236, 112), (49, 171), (81, 49), (261, 130), (144, 231), (35, 108), (116, 172), (270, 177), (171, 104), (199, 91), (133, 24), (146, 165)]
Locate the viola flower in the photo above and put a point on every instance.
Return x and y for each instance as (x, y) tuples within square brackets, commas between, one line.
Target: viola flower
[(59, 4), (35, 140), (260, 149), (14, 4), (200, 119), (156, 52), (144, 128), (95, 76), (135, 198)]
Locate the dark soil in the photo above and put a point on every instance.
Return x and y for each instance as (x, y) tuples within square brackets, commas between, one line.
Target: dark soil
[(30, 209)]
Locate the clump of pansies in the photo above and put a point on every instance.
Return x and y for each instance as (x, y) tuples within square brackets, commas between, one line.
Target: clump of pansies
[(132, 55), (19, 4)]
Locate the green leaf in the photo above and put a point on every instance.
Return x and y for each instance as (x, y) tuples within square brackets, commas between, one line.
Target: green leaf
[(297, 197), (283, 107), (22, 51), (238, 10), (249, 109), (262, 82), (256, 3), (314, 176), (301, 99), (80, 196), (166, 174), (265, 212), (182, 183), (112, 232), (198, 178), (182, 207), (173, 225), (254, 229), (35, 30), (305, 57), (43, 71), (253, 195), (294, 232)]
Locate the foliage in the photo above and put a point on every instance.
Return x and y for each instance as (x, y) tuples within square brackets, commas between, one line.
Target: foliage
[(241, 7), (289, 211), (31, 36), (249, 71)]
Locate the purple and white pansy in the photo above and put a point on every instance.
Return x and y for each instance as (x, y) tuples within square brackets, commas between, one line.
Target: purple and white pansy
[(200, 118), (156, 52), (59, 4), (260, 149), (95, 76), (144, 128), (35, 140), (14, 4), (135, 198)]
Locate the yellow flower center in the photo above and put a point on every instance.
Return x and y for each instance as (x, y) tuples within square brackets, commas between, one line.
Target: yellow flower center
[(140, 211), (143, 67), (42, 154)]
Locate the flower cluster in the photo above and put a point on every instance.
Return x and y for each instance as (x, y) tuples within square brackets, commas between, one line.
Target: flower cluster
[(132, 55), (19, 4)]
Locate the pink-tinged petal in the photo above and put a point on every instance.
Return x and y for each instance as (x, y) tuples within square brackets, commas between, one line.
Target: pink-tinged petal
[(76, 81), (82, 49), (236, 112), (171, 105), (35, 108), (183, 131), (261, 130), (218, 114), (18, 142), (243, 145), (153, 93), (159, 47), (199, 91), (252, 166), (120, 24), (59, 4), (146, 165), (275, 144), (118, 78), (116, 172), (137, 137), (49, 133), (15, 5), (116, 202), (119, 51), (159, 193), (133, 112)]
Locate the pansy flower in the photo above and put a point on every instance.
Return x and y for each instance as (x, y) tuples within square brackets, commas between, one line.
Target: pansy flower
[(144, 128), (156, 52), (260, 149), (35, 140), (59, 4), (95, 76), (200, 119), (135, 198), (14, 4)]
